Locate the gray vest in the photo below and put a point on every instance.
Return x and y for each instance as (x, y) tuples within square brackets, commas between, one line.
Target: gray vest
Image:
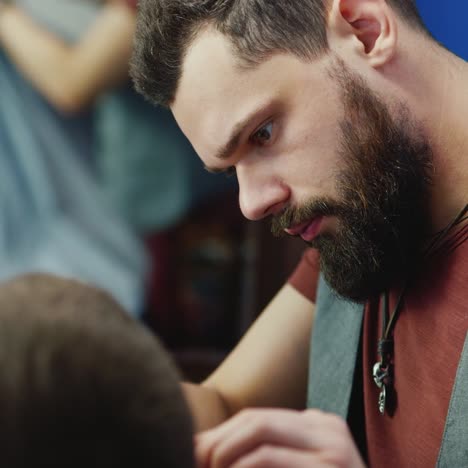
[(334, 349)]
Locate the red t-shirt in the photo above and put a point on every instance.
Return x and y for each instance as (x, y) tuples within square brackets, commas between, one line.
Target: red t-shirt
[(429, 337), (132, 3)]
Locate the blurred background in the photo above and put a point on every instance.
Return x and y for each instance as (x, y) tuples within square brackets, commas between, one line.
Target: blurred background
[(98, 185)]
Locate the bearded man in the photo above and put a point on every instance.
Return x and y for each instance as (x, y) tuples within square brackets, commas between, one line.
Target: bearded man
[(344, 121)]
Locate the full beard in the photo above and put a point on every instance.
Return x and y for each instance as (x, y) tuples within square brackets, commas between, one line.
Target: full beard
[(383, 191)]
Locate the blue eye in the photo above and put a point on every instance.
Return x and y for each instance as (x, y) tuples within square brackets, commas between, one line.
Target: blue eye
[(263, 135)]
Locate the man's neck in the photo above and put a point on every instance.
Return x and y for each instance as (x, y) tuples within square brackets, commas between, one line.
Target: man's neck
[(444, 109)]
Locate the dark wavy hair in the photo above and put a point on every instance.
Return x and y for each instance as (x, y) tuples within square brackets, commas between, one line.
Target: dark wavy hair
[(256, 29)]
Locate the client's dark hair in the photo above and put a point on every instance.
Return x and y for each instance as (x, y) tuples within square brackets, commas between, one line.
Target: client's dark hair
[(82, 384)]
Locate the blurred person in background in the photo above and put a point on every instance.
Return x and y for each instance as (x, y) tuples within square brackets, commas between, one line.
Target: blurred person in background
[(133, 159), (53, 216)]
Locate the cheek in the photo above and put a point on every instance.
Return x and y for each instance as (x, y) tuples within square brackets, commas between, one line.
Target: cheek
[(312, 156)]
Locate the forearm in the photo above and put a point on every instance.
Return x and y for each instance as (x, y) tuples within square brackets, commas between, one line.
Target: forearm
[(207, 405), (40, 57), (70, 76), (264, 369)]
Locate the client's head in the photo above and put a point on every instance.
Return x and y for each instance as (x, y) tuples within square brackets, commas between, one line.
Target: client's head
[(84, 385)]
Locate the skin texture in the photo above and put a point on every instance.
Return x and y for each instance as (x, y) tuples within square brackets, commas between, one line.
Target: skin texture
[(299, 161), (255, 373), (381, 211), (256, 439), (288, 153)]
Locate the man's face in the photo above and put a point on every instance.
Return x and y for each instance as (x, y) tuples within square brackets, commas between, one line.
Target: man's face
[(317, 150)]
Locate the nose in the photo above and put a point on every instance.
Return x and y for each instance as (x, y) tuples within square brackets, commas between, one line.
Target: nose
[(260, 194)]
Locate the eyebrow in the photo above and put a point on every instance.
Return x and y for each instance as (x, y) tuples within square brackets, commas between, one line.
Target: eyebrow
[(229, 148)]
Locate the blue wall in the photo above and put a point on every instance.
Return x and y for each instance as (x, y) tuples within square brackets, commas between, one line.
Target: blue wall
[(448, 22)]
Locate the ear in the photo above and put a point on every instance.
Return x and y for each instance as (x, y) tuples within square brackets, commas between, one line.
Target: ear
[(369, 27)]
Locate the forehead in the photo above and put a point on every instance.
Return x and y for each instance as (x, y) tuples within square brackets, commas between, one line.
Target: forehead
[(215, 92), (209, 71)]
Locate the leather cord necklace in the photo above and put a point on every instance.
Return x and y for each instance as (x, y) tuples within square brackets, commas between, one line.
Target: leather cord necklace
[(382, 371)]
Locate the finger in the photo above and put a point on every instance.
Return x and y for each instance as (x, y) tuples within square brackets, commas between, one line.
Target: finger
[(269, 456), (201, 453), (291, 431), (206, 441), (326, 429), (309, 430)]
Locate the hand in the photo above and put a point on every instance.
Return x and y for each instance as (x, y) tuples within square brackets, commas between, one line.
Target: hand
[(272, 438)]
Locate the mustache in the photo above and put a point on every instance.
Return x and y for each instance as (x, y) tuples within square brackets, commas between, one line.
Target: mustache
[(292, 216)]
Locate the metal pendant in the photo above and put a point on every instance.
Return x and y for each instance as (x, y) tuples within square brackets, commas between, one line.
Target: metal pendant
[(379, 373), (382, 399)]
